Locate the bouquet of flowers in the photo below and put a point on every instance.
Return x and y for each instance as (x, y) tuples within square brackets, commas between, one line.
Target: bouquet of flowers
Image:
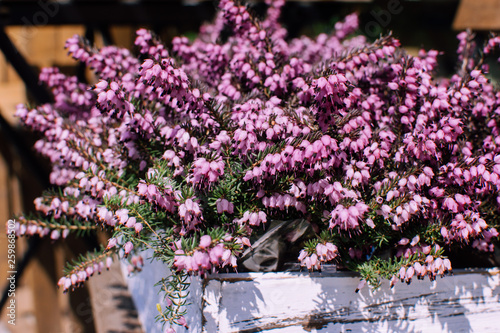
[(190, 151)]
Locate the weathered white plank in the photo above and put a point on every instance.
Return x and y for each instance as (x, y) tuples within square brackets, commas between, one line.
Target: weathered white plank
[(145, 296), (293, 302), (469, 301)]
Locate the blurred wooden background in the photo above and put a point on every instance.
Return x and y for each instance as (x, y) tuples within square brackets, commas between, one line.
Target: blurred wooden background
[(40, 306)]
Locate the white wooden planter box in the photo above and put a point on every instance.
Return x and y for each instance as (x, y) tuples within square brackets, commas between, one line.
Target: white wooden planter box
[(468, 301)]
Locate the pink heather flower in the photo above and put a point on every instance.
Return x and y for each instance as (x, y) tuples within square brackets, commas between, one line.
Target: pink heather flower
[(347, 218), (224, 205), (313, 262), (447, 264), (183, 262), (122, 215), (109, 262), (450, 204), (438, 262), (138, 227), (393, 85), (326, 252), (215, 254), (402, 273), (253, 219), (111, 243), (417, 268), (130, 222), (302, 255), (202, 260), (262, 216), (205, 241), (361, 285), (226, 254), (245, 241), (65, 233), (182, 321), (203, 169), (393, 281), (128, 247), (409, 273), (404, 241), (61, 282), (55, 234), (444, 232), (385, 210)]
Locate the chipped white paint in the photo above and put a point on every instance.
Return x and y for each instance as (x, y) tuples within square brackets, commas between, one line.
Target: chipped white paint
[(468, 301), (294, 302), (146, 296)]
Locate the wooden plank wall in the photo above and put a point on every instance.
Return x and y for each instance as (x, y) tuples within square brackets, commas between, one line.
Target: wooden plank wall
[(41, 307), (478, 15)]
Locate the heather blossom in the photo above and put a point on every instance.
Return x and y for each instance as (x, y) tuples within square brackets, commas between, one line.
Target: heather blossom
[(194, 151)]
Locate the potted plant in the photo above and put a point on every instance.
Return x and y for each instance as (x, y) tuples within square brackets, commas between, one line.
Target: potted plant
[(191, 152)]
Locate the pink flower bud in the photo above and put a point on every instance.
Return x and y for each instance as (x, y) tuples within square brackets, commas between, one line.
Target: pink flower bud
[(245, 241), (182, 321), (409, 273), (393, 281), (128, 247), (415, 240), (444, 232), (438, 262), (481, 169), (417, 267), (111, 243), (61, 282), (109, 262), (205, 241), (55, 234), (361, 285), (393, 85), (402, 273), (404, 241), (253, 219), (130, 222), (65, 233), (302, 255), (262, 217)]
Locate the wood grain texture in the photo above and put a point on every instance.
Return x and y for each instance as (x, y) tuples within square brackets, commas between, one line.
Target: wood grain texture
[(478, 15), (292, 302), (468, 301), (111, 304)]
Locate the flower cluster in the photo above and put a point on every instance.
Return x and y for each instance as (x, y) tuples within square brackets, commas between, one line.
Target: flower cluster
[(192, 151), (206, 257), (427, 264), (77, 275), (322, 253)]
